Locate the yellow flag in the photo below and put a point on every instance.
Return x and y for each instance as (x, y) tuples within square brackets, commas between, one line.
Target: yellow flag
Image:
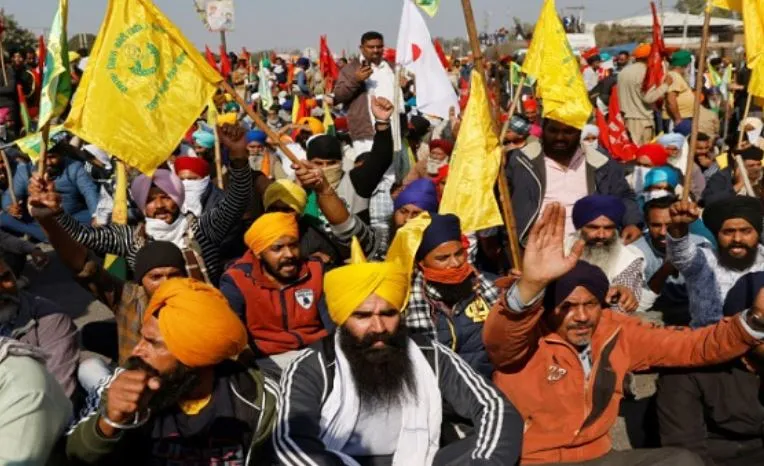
[(295, 109), (406, 242), (144, 86), (735, 5), (551, 61), (474, 165)]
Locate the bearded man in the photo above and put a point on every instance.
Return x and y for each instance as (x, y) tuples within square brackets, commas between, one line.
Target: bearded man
[(370, 394), (736, 223), (450, 299), (179, 399), (598, 219)]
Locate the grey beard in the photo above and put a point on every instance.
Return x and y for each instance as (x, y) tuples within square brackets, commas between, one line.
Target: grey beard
[(605, 257)]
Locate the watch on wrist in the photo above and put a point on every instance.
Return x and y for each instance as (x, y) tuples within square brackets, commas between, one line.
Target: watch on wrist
[(755, 321)]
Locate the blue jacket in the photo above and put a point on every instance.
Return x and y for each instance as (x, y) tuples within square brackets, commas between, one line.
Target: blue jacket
[(526, 173), (77, 189)]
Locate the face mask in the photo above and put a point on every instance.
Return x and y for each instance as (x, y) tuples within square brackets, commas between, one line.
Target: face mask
[(753, 135), (162, 231), (639, 178), (448, 276), (333, 175), (434, 165), (593, 144), (194, 190), (648, 196)]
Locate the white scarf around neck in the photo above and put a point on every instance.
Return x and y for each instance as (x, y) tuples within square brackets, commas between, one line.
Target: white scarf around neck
[(419, 438), (173, 232)]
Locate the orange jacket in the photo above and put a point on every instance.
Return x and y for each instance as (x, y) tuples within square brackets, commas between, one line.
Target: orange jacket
[(568, 417)]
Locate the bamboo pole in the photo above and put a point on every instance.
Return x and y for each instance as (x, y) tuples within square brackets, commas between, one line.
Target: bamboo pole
[(512, 108), (259, 122), (504, 192), (9, 175), (741, 131), (45, 133), (696, 108), (218, 159)]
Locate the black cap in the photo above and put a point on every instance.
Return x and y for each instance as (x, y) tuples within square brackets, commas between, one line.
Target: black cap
[(158, 254), (325, 147)]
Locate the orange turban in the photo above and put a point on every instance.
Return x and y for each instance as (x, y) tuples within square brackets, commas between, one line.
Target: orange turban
[(196, 322), (269, 228), (642, 51)]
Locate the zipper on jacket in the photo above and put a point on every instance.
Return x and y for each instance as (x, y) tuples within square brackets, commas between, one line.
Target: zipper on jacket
[(285, 319), (541, 200)]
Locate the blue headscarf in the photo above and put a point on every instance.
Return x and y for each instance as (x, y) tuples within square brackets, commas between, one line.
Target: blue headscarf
[(255, 135), (594, 206), (420, 193), (204, 139), (442, 229), (672, 139), (663, 174)]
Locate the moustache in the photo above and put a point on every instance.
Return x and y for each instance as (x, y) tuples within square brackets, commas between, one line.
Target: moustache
[(288, 262), (136, 363), (579, 327), (739, 245)]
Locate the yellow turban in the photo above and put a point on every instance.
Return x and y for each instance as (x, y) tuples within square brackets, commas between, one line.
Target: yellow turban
[(288, 192), (316, 127), (349, 286), (196, 322), (227, 118), (269, 228)]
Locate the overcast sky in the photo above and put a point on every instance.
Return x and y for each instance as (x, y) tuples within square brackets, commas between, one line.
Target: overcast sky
[(289, 24)]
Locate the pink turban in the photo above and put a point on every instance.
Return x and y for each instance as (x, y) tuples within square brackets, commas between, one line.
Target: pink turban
[(163, 179)]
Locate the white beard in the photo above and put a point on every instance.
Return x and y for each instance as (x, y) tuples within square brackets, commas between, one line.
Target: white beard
[(604, 257)]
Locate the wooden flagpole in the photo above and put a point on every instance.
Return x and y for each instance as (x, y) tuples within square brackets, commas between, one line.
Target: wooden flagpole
[(741, 131), (504, 193), (512, 108), (696, 108), (9, 175)]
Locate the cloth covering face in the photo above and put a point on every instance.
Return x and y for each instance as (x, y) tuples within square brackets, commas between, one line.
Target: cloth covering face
[(194, 190), (174, 232), (422, 413), (196, 322)]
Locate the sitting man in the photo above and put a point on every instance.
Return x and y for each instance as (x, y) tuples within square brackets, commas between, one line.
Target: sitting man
[(597, 219), (717, 412), (160, 198), (262, 158), (200, 195), (34, 409), (40, 322), (79, 194), (736, 223), (179, 398), (561, 355), (419, 196), (663, 282), (369, 394), (729, 182), (450, 299)]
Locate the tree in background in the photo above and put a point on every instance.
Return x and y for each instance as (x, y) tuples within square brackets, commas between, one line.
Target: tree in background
[(696, 7), (16, 37)]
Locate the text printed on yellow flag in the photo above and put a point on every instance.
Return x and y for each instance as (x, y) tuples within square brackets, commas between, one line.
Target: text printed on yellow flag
[(474, 165), (144, 86)]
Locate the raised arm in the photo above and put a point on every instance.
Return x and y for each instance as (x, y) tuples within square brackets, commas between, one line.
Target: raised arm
[(216, 223), (683, 253), (366, 177)]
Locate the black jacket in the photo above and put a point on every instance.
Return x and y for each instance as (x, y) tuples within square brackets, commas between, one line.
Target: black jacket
[(719, 187), (526, 173), (717, 412), (308, 381)]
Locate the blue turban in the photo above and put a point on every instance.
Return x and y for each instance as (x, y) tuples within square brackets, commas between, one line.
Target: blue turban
[(583, 274), (594, 206), (664, 174), (420, 193), (442, 229), (672, 139), (303, 62), (287, 105), (204, 139), (255, 135)]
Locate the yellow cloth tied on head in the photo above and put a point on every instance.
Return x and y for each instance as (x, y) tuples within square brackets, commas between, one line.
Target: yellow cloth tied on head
[(349, 286), (269, 228), (228, 119), (288, 192), (316, 127), (196, 322)]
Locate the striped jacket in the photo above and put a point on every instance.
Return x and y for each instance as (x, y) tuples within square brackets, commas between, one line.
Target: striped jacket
[(209, 231), (308, 380)]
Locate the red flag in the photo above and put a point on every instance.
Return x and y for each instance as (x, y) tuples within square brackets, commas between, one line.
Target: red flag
[(654, 75), (604, 138), (211, 58), (245, 55), (619, 145), (441, 54), (327, 65), (464, 93), (225, 63), (38, 75)]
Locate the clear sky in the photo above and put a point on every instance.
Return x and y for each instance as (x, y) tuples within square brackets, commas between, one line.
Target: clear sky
[(290, 24)]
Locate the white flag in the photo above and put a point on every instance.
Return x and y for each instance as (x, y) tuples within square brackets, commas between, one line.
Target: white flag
[(415, 52)]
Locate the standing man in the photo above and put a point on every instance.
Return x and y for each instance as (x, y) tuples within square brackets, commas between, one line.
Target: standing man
[(680, 98), (638, 105)]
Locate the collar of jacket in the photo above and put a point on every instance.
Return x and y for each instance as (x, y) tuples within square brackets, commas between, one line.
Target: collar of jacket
[(595, 158), (602, 335)]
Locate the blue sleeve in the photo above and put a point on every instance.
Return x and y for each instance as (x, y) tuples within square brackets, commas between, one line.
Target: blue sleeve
[(87, 187), (20, 185), (302, 83), (234, 297), (323, 312)]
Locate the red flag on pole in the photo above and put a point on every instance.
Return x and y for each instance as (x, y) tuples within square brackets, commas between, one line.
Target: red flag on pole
[(327, 65), (225, 63), (211, 58), (441, 54), (619, 144), (654, 75)]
